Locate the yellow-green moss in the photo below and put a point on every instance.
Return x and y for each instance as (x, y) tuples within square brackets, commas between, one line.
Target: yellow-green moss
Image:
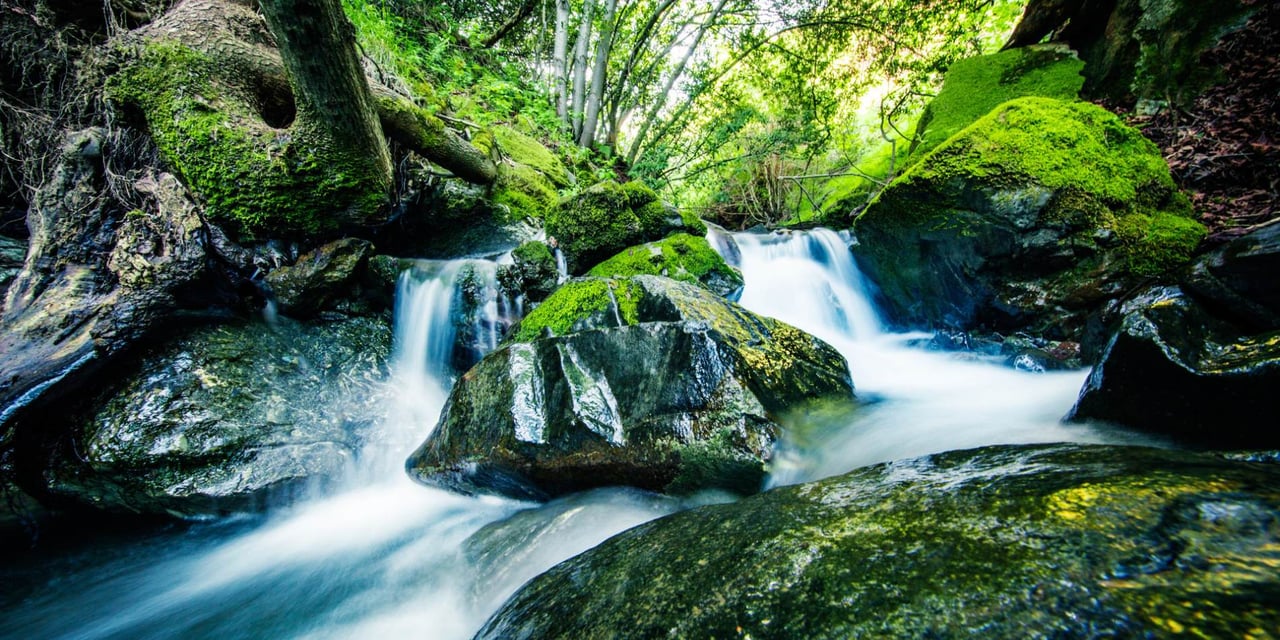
[(250, 176), (975, 86), (1104, 174), (680, 257), (529, 152), (577, 301), (605, 219), (523, 193)]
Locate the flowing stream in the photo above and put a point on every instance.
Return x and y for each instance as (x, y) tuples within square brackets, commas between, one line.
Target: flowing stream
[(385, 557)]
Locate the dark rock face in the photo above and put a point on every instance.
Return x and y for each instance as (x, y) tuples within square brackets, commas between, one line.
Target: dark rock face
[(1173, 368), (661, 385), (13, 253), (96, 279), (1031, 219), (1200, 362), (227, 419), (1004, 542), (319, 277), (532, 271)]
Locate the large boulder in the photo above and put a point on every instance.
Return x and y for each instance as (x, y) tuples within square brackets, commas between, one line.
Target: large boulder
[(645, 382), (228, 419), (609, 217), (1174, 369), (1028, 220), (1056, 541), (319, 277), (680, 257), (532, 272)]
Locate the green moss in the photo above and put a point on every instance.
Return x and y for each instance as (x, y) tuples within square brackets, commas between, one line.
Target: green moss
[(1155, 244), (577, 302), (534, 252), (529, 152), (523, 192), (1100, 169), (600, 221), (680, 257), (250, 176), (975, 86)]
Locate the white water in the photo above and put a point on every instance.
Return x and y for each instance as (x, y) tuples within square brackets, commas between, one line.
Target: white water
[(924, 401), (387, 558)]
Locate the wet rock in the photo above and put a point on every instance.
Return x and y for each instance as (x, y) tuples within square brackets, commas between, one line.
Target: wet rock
[(96, 279), (680, 257), (1030, 220), (13, 253), (318, 277), (228, 419), (1237, 281), (1057, 541), (532, 272), (1173, 368), (644, 382)]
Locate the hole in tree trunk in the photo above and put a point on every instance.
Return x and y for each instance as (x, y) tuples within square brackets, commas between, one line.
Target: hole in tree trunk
[(275, 103)]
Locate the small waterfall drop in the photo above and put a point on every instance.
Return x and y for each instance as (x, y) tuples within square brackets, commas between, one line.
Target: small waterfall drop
[(918, 401)]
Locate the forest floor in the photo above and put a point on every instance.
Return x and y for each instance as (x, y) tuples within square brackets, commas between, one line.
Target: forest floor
[(1224, 149)]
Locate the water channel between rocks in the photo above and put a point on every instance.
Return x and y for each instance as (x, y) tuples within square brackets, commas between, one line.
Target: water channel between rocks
[(384, 557)]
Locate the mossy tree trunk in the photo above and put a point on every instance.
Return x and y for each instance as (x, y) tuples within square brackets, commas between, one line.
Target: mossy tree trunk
[(334, 104)]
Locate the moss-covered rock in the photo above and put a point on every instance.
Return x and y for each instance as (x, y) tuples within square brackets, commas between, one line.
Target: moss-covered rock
[(1029, 219), (1057, 541), (251, 176), (645, 382), (975, 86), (228, 419), (609, 217), (680, 257), (532, 272)]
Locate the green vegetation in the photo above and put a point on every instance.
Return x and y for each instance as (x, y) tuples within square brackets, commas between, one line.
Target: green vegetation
[(250, 176), (975, 86), (578, 302), (522, 193), (680, 257), (525, 150)]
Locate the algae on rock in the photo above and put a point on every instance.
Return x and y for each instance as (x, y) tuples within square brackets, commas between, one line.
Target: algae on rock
[(1059, 541), (609, 217), (680, 257)]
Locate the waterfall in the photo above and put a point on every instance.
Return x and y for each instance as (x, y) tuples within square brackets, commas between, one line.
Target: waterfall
[(384, 557), (916, 401)]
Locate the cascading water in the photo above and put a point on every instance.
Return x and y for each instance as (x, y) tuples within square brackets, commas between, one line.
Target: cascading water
[(385, 557), (920, 401)]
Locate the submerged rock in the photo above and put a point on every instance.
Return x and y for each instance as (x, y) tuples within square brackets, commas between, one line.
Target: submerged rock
[(1031, 219), (645, 382), (1063, 541), (1173, 368), (680, 257), (228, 418)]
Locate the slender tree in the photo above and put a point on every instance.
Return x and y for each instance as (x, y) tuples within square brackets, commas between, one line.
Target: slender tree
[(580, 51), (560, 61), (598, 73)]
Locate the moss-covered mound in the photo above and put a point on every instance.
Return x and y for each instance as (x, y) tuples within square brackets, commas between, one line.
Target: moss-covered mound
[(1029, 219), (1058, 541), (255, 178), (526, 151), (521, 193), (975, 86), (609, 217), (680, 257), (644, 382)]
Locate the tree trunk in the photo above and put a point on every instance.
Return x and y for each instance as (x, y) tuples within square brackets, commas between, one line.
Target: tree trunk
[(580, 65), (619, 88), (515, 21), (598, 73), (661, 99), (334, 104), (561, 61)]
